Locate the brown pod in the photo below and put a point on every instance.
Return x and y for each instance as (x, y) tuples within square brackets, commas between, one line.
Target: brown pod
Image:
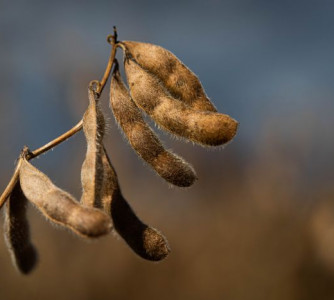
[(59, 206), (144, 240), (203, 127), (143, 140), (17, 232), (181, 82), (91, 170)]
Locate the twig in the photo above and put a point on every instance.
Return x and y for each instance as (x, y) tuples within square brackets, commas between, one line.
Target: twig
[(56, 141), (11, 183), (111, 39)]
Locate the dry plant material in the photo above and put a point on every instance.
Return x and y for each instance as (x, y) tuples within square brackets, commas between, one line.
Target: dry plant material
[(144, 240), (181, 82), (162, 86), (17, 232), (59, 206), (143, 140), (203, 127), (91, 171)]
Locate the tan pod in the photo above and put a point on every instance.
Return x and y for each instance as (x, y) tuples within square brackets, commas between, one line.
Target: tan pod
[(181, 82), (17, 232), (59, 206), (203, 127), (143, 140), (144, 240), (91, 170)]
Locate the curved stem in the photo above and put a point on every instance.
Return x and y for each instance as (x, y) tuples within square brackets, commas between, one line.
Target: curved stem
[(107, 71), (56, 141), (11, 183), (120, 45), (112, 39)]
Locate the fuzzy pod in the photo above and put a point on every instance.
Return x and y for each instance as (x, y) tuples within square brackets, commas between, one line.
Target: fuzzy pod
[(203, 127), (143, 140), (110, 188), (17, 232), (144, 240), (180, 81), (59, 206), (91, 170)]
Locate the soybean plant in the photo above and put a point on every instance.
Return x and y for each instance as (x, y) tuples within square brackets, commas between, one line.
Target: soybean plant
[(161, 86)]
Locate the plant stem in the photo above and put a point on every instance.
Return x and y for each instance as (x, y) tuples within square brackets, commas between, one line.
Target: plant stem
[(56, 141), (11, 183), (112, 39)]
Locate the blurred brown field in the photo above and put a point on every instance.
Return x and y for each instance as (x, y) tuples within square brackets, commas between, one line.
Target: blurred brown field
[(253, 230)]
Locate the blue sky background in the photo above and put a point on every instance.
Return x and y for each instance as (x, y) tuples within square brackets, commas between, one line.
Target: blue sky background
[(257, 60)]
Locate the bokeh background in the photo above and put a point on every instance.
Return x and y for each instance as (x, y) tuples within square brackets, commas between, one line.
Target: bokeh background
[(258, 224)]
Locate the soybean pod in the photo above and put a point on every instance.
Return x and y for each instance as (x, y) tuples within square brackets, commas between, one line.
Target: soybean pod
[(180, 81), (203, 127), (143, 140), (91, 170), (17, 232), (144, 240), (59, 206)]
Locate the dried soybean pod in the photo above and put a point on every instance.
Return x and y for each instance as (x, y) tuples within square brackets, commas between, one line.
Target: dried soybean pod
[(203, 127), (59, 206), (143, 140), (17, 232), (181, 82), (110, 187), (91, 170), (144, 240)]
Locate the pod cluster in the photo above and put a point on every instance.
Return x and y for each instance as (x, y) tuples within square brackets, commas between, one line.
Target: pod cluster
[(101, 190), (161, 86)]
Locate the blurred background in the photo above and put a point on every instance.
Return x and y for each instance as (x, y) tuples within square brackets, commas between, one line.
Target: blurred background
[(259, 222)]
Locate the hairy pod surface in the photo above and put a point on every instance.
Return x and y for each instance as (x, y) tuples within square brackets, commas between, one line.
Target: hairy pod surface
[(59, 206), (110, 187), (203, 127), (181, 82), (143, 140), (91, 170), (144, 240), (17, 232)]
